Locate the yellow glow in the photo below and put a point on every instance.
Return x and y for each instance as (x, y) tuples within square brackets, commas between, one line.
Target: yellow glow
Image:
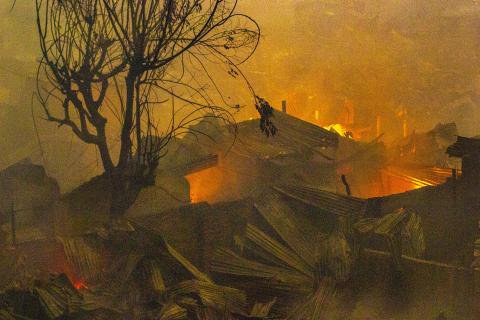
[(338, 128)]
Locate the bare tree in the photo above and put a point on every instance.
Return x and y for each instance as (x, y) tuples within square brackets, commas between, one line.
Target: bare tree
[(131, 60)]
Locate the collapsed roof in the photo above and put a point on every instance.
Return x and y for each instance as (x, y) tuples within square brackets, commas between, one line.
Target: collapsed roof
[(294, 136)]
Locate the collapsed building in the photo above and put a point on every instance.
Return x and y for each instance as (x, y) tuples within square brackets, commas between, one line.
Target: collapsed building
[(248, 163), (261, 228)]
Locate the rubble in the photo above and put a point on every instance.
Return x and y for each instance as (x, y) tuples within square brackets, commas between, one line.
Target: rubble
[(288, 250)]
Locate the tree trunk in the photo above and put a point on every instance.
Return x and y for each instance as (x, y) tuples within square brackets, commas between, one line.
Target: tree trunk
[(125, 186), (118, 189), (124, 193), (126, 142), (138, 121), (104, 152)]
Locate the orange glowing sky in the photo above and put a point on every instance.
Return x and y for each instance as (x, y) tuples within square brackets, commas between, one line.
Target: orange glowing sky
[(315, 54)]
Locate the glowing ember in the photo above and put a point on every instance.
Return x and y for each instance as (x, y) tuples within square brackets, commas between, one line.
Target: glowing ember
[(79, 285)]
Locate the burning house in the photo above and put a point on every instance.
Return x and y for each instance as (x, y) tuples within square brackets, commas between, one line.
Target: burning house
[(299, 150)]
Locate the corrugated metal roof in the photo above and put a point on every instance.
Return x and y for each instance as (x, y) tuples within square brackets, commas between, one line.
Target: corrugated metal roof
[(293, 136), (328, 202), (195, 165), (421, 176), (286, 223)]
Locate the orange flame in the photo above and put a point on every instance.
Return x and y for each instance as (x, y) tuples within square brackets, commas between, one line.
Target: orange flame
[(206, 185), (340, 129), (79, 285)]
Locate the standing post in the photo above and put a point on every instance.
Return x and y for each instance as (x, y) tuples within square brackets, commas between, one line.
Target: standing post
[(347, 186), (284, 106), (454, 174), (13, 224)]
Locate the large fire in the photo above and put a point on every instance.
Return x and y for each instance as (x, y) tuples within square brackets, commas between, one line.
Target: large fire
[(340, 129)]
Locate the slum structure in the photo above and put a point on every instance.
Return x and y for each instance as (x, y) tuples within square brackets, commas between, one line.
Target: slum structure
[(288, 250)]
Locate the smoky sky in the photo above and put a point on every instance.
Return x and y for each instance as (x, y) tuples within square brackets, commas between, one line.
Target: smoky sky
[(407, 59)]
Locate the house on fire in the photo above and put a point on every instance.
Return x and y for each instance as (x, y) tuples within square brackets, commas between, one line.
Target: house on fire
[(249, 162), (244, 162)]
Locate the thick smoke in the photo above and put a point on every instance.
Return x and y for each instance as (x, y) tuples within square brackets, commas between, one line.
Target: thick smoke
[(413, 60), (370, 65)]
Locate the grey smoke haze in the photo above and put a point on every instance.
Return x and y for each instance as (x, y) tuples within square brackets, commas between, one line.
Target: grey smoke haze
[(387, 57)]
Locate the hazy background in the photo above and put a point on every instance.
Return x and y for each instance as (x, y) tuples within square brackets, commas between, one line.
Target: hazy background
[(350, 62)]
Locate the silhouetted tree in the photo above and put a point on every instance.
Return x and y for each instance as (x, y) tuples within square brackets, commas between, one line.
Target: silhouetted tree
[(129, 59)]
